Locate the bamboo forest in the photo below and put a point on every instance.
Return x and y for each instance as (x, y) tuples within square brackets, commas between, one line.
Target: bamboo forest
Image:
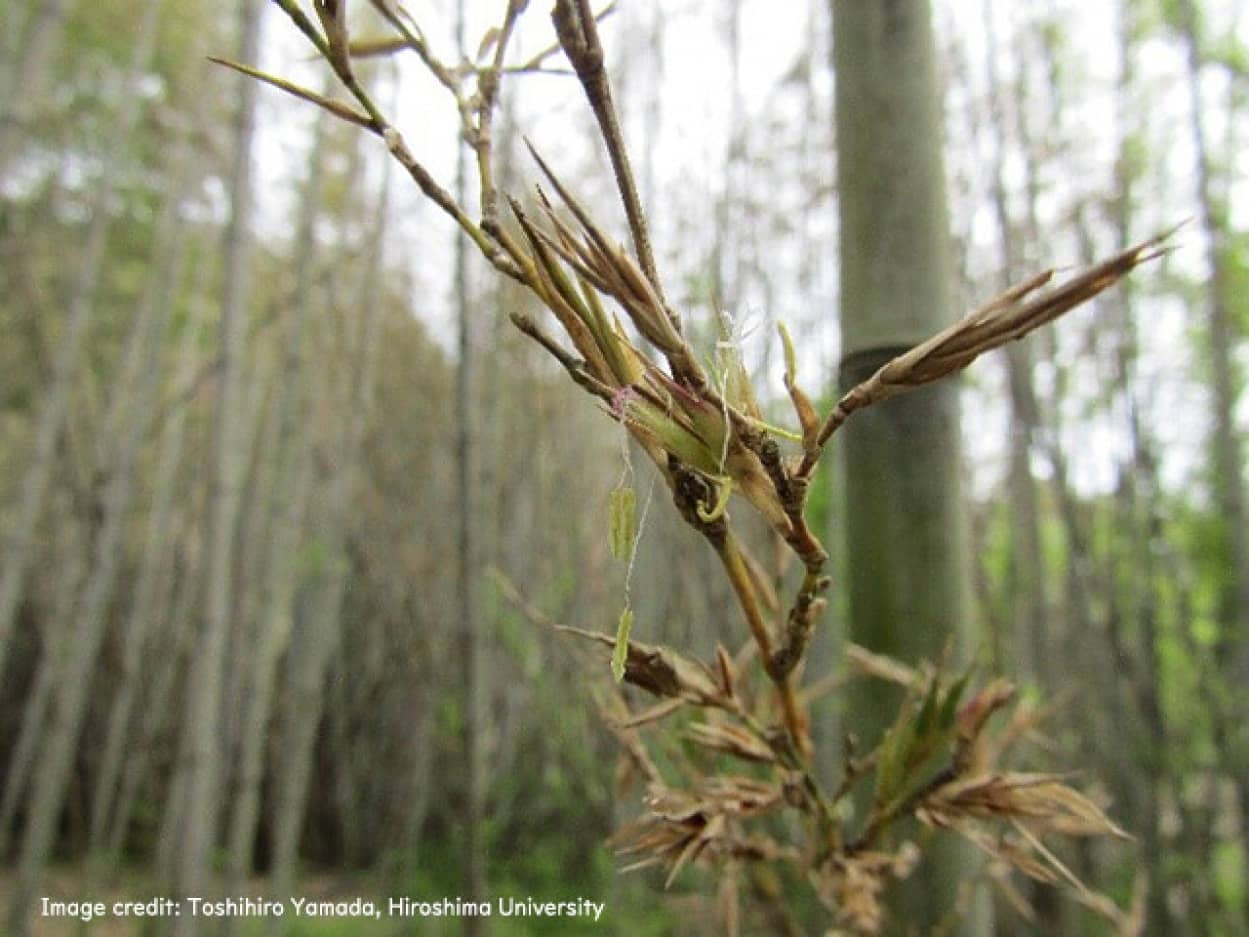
[(705, 467)]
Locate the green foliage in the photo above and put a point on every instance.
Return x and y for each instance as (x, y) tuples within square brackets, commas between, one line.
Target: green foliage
[(623, 522), (314, 557), (1236, 260), (918, 741), (1229, 863), (621, 651)]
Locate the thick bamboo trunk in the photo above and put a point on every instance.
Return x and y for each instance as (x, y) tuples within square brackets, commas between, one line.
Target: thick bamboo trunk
[(906, 569)]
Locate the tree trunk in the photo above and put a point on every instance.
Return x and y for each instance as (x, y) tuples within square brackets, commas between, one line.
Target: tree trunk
[(319, 635), (171, 653), (354, 818), (421, 762), (1140, 491), (1027, 605), (32, 47), (291, 483), (1027, 576), (1221, 334), (201, 742), (1228, 475), (153, 571), (38, 700), (70, 705), (906, 569), (468, 565), (16, 549)]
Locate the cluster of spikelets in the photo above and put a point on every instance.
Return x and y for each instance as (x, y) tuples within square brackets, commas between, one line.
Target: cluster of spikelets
[(701, 424), (703, 428), (942, 761), (939, 763)]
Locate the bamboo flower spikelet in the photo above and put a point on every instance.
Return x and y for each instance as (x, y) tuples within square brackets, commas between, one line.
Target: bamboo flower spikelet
[(755, 799)]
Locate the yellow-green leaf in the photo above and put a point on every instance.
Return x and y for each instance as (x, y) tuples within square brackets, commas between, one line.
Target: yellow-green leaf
[(807, 417), (383, 45), (488, 42), (621, 652), (791, 360), (623, 523)]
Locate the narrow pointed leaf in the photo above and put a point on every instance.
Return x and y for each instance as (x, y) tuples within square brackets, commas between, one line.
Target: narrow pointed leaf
[(623, 523), (808, 419), (337, 108), (370, 47)]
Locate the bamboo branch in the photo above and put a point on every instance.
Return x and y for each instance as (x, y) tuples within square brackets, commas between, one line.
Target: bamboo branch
[(487, 95), (794, 716)]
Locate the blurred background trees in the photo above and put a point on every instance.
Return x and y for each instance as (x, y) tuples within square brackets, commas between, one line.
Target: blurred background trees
[(192, 394)]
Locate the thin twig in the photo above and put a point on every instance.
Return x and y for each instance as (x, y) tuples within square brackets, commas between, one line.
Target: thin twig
[(487, 97), (415, 40), (575, 367)]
